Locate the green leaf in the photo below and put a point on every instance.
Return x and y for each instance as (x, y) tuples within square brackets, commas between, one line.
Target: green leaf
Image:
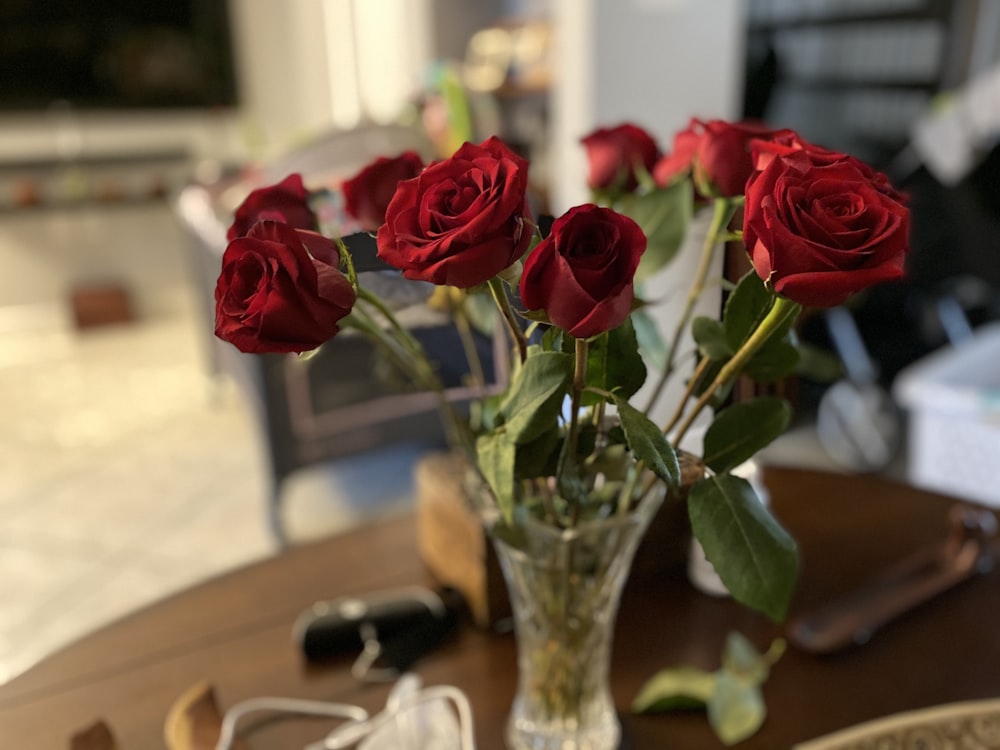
[(586, 440), (711, 338), (739, 431), (489, 412), (614, 364), (736, 709), (818, 364), (754, 556), (496, 455), (481, 311), (614, 461), (539, 458), (731, 695), (648, 443), (651, 344), (745, 309), (742, 660), (664, 215), (556, 340), (721, 395), (571, 485), (539, 316), (671, 689), (535, 398), (774, 360)]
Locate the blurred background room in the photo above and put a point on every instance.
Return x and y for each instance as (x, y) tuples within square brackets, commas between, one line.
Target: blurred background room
[(139, 456)]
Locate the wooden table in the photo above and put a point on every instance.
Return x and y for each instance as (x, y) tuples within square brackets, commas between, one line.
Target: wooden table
[(235, 633)]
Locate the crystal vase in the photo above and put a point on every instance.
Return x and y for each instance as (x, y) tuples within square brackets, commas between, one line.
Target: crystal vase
[(564, 587)]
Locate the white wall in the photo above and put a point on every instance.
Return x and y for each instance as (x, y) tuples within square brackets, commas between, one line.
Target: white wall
[(309, 65), (281, 59)]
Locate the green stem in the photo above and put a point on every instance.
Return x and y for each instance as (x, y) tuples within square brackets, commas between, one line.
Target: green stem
[(348, 261), (628, 491), (723, 210), (579, 383), (468, 340), (478, 375), (352, 276), (419, 370), (541, 489), (699, 373), (408, 339), (503, 302), (781, 311), (569, 448)]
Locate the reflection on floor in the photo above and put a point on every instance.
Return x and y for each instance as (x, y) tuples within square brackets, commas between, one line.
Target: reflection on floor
[(126, 474)]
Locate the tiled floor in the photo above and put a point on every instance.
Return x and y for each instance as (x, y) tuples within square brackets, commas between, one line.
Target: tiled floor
[(125, 474)]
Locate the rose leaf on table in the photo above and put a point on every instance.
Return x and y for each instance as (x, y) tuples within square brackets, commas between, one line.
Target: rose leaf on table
[(731, 695)]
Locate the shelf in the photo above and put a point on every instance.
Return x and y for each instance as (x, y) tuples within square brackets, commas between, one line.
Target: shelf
[(933, 10), (838, 85)]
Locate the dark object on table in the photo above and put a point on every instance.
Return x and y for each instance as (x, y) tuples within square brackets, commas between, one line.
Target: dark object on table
[(853, 619), (390, 629), (97, 736)]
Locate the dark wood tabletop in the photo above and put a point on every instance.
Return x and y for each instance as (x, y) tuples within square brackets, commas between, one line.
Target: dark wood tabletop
[(235, 632)]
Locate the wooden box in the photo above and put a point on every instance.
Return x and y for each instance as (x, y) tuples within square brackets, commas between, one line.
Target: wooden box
[(100, 304)]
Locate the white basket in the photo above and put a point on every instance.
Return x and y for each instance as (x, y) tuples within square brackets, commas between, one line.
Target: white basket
[(953, 398)]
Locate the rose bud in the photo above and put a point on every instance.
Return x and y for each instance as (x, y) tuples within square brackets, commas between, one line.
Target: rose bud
[(462, 220), (367, 194), (614, 155), (678, 162), (582, 273), (272, 296), (722, 160), (285, 202)]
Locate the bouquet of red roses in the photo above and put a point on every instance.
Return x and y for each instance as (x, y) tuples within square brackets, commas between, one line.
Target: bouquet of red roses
[(564, 442)]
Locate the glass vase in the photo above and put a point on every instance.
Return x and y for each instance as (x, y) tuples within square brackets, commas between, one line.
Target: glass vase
[(564, 587)]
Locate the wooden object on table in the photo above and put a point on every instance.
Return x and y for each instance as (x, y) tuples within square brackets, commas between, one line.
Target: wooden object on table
[(97, 736), (456, 550), (194, 721), (451, 540)]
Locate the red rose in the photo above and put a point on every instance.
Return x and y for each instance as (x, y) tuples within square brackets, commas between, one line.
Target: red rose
[(615, 154), (820, 226), (723, 161), (678, 161), (582, 273), (367, 194), (462, 220), (284, 202), (719, 153), (272, 296)]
